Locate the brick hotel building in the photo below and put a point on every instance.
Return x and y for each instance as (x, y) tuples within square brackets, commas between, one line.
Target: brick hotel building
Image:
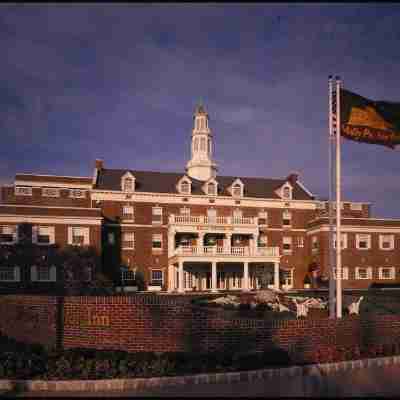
[(196, 230)]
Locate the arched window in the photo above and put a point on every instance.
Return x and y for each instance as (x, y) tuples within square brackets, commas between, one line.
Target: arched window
[(237, 190), (287, 192), (185, 187), (212, 189), (128, 185)]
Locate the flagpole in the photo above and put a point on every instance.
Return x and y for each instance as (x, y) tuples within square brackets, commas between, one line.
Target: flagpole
[(338, 209), (332, 283)]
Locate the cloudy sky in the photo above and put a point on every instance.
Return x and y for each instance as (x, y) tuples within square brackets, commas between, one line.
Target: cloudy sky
[(120, 82)]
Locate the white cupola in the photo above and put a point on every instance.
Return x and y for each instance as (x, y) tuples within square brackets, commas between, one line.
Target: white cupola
[(201, 166)]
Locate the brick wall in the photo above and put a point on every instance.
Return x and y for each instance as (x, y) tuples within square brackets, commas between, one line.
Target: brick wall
[(170, 323)]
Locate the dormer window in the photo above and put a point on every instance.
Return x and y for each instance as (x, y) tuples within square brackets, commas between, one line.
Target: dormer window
[(237, 188), (211, 189), (128, 183), (184, 185), (286, 192)]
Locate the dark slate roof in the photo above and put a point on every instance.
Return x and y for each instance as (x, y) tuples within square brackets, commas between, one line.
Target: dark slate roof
[(166, 182)]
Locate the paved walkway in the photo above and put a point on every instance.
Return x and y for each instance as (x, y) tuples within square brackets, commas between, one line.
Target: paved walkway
[(365, 382)]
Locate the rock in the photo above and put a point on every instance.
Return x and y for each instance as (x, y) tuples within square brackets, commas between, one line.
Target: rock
[(265, 296)]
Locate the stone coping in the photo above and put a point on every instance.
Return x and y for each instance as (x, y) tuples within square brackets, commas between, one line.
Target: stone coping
[(317, 370)]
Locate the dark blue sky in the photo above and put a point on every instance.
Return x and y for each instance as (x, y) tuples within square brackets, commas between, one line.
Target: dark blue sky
[(120, 82)]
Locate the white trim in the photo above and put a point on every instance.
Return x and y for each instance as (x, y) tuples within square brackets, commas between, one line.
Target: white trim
[(67, 208), (304, 188), (52, 176), (126, 175), (358, 240), (22, 187), (73, 196), (56, 194), (392, 273), (16, 273), (391, 242), (60, 185), (369, 273), (11, 218), (357, 229), (85, 234), (35, 232), (170, 198)]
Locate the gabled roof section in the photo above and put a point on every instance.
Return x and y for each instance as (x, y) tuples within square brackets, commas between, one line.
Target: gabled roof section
[(165, 182)]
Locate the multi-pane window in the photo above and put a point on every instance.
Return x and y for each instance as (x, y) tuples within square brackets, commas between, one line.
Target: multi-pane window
[(185, 211), (287, 245), (157, 215), (43, 273), (386, 273), (157, 241), (128, 275), (314, 244), (343, 242), (212, 189), (78, 236), (128, 185), (212, 215), (236, 190), (77, 193), (363, 273), (50, 192), (23, 191), (9, 274), (345, 273), (287, 193), (128, 240), (386, 242), (8, 234), (43, 234), (127, 212), (363, 241), (262, 241), (300, 241), (287, 218), (263, 218), (237, 216), (156, 277), (185, 187)]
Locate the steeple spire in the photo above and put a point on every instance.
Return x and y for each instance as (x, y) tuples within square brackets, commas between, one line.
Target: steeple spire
[(201, 166)]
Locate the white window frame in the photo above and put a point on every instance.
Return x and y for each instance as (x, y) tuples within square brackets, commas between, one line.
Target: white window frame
[(50, 192), (263, 215), (214, 192), (128, 244), (157, 238), (359, 236), (368, 275), (6, 270), (355, 206), (35, 275), (154, 281), (392, 273), (262, 241), (345, 273), (39, 230), (286, 215), (77, 193), (381, 241), (314, 244), (13, 230), (300, 241), (86, 235), (128, 216), (343, 241), (128, 275), (235, 184), (287, 186), (128, 175), (288, 241), (158, 212), (23, 191)]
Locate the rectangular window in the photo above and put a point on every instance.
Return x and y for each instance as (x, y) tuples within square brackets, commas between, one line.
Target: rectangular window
[(23, 191), (78, 236), (287, 218), (43, 234), (345, 273), (262, 241), (386, 273), (185, 187), (8, 234), (156, 277), (8, 274), (77, 193), (111, 238), (314, 244), (50, 192), (300, 241), (356, 206), (43, 273), (157, 215), (263, 218), (386, 242), (343, 242), (363, 242), (287, 245), (128, 240), (364, 273), (185, 211), (157, 242), (128, 275), (127, 212), (236, 191)]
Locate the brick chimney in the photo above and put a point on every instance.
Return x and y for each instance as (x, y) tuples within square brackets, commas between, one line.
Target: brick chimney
[(99, 164), (292, 178)]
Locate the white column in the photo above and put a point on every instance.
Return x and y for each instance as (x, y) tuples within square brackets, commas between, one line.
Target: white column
[(171, 243), (214, 276), (180, 280), (276, 276), (171, 278), (200, 242), (228, 240), (245, 286), (255, 244)]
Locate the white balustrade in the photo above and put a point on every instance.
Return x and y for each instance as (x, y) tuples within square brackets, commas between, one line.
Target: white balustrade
[(227, 251), (206, 220)]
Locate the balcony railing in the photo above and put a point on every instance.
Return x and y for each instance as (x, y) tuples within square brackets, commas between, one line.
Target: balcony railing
[(227, 251), (205, 220)]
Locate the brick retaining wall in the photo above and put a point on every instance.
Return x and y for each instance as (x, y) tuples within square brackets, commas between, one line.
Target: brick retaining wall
[(171, 323)]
